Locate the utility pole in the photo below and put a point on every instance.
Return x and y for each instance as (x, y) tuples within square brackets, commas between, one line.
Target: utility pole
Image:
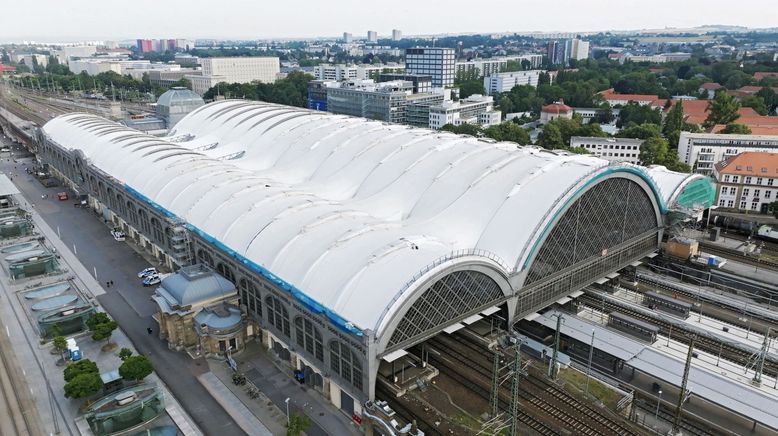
[(762, 357), (515, 389), (495, 399), (684, 382), (555, 355)]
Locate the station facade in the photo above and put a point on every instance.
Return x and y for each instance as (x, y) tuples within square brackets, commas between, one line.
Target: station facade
[(546, 224)]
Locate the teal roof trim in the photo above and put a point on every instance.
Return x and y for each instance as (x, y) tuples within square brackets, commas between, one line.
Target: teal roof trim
[(570, 199)]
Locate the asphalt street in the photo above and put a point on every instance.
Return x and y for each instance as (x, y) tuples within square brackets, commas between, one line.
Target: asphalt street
[(127, 301)]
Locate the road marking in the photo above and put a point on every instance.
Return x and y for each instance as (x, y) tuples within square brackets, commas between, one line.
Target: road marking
[(7, 332)]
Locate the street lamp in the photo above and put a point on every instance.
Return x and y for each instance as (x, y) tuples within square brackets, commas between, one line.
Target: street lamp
[(287, 411), (656, 415)]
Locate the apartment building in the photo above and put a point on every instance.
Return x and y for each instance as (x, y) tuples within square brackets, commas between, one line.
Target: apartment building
[(342, 72), (703, 150), (437, 62), (234, 70), (611, 149), (487, 66), (747, 181), (504, 82)]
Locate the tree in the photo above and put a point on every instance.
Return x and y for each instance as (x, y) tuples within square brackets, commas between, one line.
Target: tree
[(135, 368), (84, 366), (638, 114), (551, 137), (643, 131), (297, 425), (83, 385), (544, 79), (464, 129), (653, 151), (470, 87), (674, 120), (101, 326), (506, 105), (736, 128), (124, 353), (96, 319), (507, 132), (723, 109), (773, 207), (60, 344)]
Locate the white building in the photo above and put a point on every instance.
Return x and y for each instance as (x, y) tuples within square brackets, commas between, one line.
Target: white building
[(659, 58), (94, 67), (347, 37), (577, 49), (437, 62), (235, 70), (372, 36), (703, 150), (487, 66), (343, 72), (747, 181), (611, 149), (476, 109), (27, 58), (65, 54), (504, 82), (397, 34)]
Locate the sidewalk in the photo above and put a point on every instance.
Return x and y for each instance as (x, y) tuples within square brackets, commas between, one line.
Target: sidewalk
[(277, 386), (236, 407)]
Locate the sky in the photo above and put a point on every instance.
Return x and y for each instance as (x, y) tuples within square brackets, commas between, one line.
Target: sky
[(74, 20)]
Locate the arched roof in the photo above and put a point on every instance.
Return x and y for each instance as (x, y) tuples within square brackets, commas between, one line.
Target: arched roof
[(342, 211)]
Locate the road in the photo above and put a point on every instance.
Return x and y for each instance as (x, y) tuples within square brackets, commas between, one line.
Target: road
[(127, 301)]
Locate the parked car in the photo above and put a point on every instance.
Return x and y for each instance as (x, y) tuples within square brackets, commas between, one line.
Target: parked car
[(147, 272), (62, 196), (152, 280), (118, 235)]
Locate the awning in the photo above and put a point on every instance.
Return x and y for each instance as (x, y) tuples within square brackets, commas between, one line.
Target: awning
[(532, 316), (563, 300), (601, 281), (489, 311), (7, 187), (576, 294), (636, 263), (471, 319), (394, 355), (452, 328), (652, 255)]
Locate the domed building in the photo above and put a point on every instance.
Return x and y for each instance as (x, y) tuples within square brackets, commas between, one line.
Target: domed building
[(176, 103), (555, 110)]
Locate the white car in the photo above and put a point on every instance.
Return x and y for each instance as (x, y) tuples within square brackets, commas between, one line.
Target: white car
[(152, 280), (118, 235), (147, 272)]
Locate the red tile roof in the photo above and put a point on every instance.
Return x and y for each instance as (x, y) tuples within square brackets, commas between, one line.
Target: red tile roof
[(556, 108), (750, 163), (761, 75), (610, 94), (712, 86), (7, 68)]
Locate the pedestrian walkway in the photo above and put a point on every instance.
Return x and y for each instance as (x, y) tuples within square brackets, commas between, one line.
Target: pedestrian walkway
[(234, 407)]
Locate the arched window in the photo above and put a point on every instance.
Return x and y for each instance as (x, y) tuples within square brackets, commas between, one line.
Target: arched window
[(225, 272), (204, 257), (120, 205), (345, 363), (277, 315), (250, 297), (132, 214), (308, 337), (157, 229)]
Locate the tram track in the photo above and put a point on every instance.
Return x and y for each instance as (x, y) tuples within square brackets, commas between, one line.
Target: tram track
[(737, 256)]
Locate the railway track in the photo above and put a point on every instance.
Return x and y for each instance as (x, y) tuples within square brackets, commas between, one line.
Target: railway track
[(563, 410), (709, 345), (667, 415), (401, 409), (18, 415), (737, 256)]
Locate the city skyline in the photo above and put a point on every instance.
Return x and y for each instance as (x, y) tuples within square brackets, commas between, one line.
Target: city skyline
[(88, 19)]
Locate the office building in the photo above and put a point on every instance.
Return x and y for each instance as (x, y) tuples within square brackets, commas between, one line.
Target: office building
[(397, 34), (421, 83), (610, 149), (703, 150), (436, 62), (747, 181), (342, 72), (347, 37), (372, 36), (386, 101), (145, 45), (487, 66), (577, 49), (66, 53), (475, 109), (317, 94), (30, 59), (234, 70), (504, 82), (561, 52)]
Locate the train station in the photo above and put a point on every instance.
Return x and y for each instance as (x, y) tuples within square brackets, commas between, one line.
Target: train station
[(351, 241)]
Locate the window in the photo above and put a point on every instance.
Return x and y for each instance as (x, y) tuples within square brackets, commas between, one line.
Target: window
[(768, 194), (770, 182), (250, 297), (735, 179), (721, 203), (742, 204), (758, 180), (723, 190), (345, 363), (746, 191), (277, 315), (309, 338), (730, 203), (726, 178), (754, 206), (732, 191), (748, 180), (757, 192)]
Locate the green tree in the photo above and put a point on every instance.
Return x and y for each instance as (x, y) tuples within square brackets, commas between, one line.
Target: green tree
[(773, 207), (124, 353), (551, 137), (769, 97), (104, 331), (83, 385), (470, 87), (756, 103), (673, 164), (643, 131), (674, 120), (84, 366), (506, 105), (653, 151), (297, 425), (97, 318), (507, 132), (723, 109), (544, 79), (736, 128), (60, 344), (135, 368), (464, 129), (638, 114)]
